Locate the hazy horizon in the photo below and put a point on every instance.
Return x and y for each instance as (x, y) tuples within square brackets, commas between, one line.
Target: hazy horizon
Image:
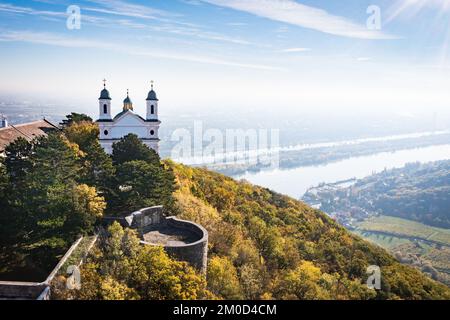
[(215, 55)]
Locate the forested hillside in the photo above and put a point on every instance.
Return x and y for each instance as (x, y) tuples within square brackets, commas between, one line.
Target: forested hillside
[(266, 245), (418, 192), (262, 245)]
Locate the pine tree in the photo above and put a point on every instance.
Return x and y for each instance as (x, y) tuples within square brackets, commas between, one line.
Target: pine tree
[(131, 148)]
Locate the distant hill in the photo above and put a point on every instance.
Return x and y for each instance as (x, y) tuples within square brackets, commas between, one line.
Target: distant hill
[(266, 245), (419, 192), (404, 210)]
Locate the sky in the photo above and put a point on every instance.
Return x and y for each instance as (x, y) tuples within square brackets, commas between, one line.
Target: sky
[(215, 55)]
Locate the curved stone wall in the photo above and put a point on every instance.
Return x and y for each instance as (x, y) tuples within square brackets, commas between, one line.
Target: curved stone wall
[(195, 253)]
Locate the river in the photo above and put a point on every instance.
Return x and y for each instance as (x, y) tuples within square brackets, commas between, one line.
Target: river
[(295, 182)]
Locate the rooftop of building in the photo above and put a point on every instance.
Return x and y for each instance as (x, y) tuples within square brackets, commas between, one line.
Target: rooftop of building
[(28, 131)]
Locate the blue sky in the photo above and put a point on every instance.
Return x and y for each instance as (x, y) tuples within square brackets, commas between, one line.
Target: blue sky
[(233, 54)]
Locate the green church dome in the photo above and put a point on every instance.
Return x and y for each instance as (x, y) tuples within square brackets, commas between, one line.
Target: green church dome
[(104, 95)]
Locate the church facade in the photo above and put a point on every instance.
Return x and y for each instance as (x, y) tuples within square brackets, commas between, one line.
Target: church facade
[(112, 129)]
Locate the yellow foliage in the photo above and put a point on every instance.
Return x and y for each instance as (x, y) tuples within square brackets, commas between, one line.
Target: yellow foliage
[(114, 290), (82, 133), (195, 209), (222, 278), (89, 201)]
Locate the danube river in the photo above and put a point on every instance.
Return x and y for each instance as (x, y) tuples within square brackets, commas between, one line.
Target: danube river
[(295, 182)]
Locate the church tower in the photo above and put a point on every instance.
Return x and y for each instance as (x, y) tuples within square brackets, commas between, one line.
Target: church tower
[(104, 103), (152, 120), (152, 105)]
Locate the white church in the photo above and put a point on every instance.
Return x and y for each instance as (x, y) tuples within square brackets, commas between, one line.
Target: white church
[(125, 122)]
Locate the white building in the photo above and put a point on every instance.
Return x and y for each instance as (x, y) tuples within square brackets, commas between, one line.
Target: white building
[(113, 129)]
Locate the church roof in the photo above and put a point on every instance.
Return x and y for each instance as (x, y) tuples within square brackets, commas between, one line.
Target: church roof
[(152, 95), (104, 95), (28, 131), (120, 114)]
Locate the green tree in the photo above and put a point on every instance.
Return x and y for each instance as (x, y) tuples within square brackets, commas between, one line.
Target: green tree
[(141, 184), (17, 158), (75, 117), (98, 169), (3, 181), (131, 148), (5, 217), (141, 179)]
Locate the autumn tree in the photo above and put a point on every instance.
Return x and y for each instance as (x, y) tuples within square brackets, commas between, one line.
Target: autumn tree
[(83, 133), (223, 279), (98, 169), (301, 283)]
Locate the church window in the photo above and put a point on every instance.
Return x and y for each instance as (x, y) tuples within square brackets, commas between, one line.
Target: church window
[(152, 132), (106, 132), (105, 108), (152, 109)]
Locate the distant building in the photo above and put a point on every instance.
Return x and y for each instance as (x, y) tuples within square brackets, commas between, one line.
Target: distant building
[(28, 131), (3, 121), (126, 122)]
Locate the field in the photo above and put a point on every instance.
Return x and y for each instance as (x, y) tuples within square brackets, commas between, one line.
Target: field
[(405, 229), (383, 240), (424, 247)]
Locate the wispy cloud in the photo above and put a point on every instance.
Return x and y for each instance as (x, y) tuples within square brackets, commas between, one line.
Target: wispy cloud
[(131, 10), (47, 14), (124, 8), (200, 34), (136, 16), (237, 24), (9, 8), (192, 2), (294, 13), (289, 50), (171, 24), (51, 39), (64, 41)]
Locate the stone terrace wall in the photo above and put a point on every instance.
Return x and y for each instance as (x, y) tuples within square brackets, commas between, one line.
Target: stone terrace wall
[(23, 290)]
